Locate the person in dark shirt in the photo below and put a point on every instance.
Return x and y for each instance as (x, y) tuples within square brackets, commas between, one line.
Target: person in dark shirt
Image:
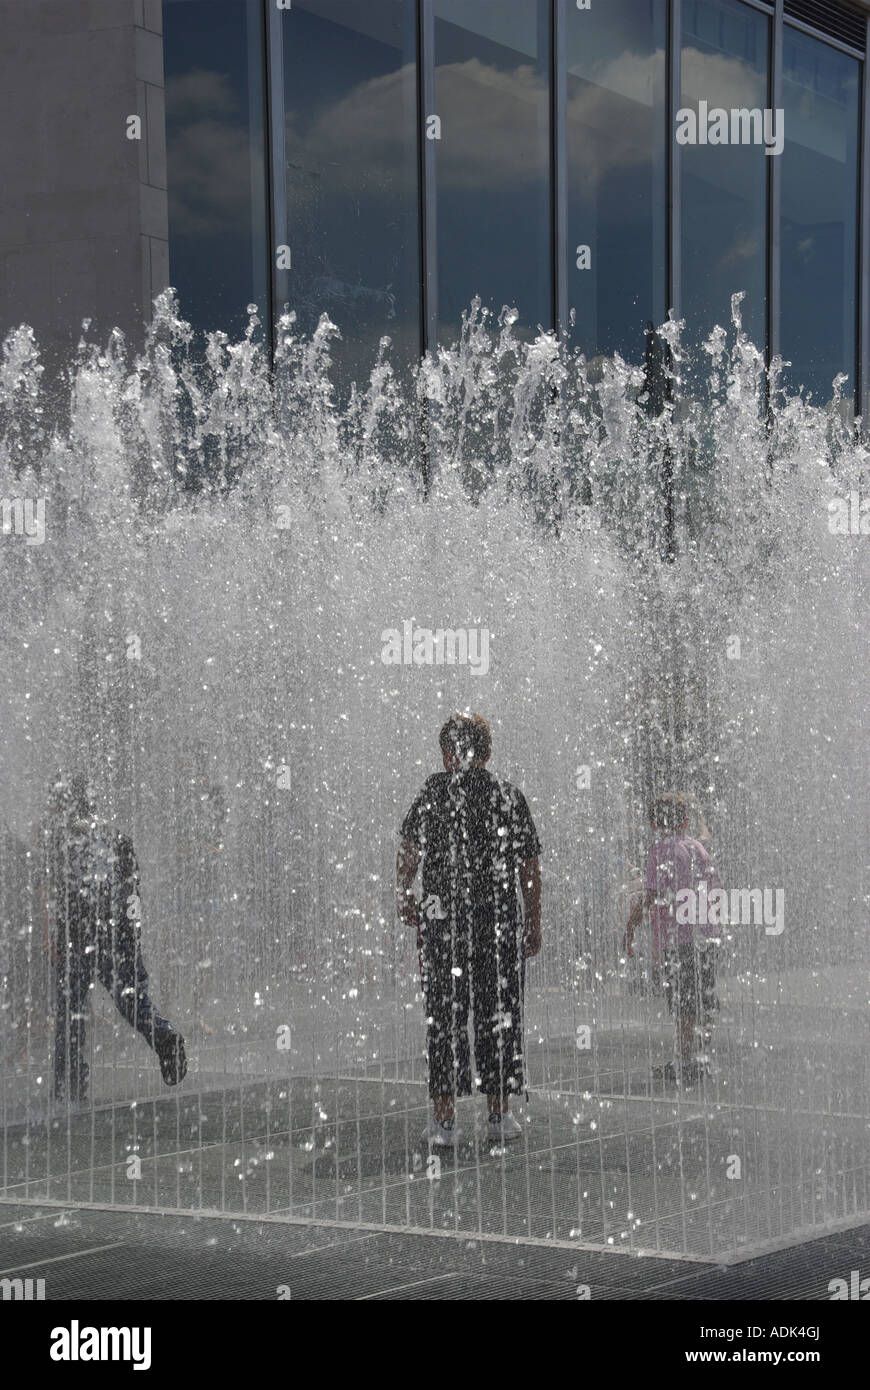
[(92, 905), (475, 836)]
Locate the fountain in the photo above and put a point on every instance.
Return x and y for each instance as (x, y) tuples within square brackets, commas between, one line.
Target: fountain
[(203, 630)]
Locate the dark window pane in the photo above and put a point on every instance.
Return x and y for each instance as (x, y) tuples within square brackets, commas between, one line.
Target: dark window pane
[(724, 216), (218, 243), (493, 163), (616, 172), (819, 213), (350, 87)]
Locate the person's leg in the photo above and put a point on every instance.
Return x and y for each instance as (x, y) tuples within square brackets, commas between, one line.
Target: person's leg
[(123, 975), (460, 1008), (496, 988), (444, 1108), (73, 975), (446, 1000), (708, 1002), (688, 1027), (672, 981), (688, 997)]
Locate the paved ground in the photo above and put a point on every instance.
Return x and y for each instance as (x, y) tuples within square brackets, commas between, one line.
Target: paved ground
[(124, 1256), (645, 1168), (610, 1157)]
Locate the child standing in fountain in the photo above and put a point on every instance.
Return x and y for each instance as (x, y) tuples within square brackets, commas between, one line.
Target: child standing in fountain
[(475, 834), (685, 951)]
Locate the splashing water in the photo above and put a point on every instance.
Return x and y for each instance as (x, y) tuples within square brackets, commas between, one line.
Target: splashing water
[(226, 553)]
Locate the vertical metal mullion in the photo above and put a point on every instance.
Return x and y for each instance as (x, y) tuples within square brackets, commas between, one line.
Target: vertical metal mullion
[(260, 194), (674, 170), (862, 390), (774, 196), (428, 206), (277, 164), (559, 164)]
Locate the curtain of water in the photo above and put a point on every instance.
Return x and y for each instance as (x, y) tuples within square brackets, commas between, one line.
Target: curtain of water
[(202, 631)]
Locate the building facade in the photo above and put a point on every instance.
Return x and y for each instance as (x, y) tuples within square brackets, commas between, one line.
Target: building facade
[(385, 161), (83, 209)]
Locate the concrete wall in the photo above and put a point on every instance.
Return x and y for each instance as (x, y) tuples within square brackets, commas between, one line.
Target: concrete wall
[(83, 210)]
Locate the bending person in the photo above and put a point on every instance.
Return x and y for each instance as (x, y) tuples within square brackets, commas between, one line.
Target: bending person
[(92, 904)]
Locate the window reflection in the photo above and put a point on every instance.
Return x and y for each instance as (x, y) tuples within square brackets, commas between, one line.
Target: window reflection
[(352, 188), (616, 172), (218, 241), (351, 175), (493, 159), (819, 213), (724, 187)]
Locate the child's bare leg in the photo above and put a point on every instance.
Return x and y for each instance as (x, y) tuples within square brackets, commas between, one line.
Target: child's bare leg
[(444, 1109)]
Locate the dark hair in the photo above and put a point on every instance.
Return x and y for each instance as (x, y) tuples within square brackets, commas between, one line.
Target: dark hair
[(670, 811), (466, 736)]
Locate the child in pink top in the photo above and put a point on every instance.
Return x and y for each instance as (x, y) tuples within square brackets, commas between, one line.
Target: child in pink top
[(685, 951)]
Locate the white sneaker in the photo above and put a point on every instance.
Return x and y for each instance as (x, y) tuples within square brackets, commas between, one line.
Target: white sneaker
[(503, 1128), (442, 1135)]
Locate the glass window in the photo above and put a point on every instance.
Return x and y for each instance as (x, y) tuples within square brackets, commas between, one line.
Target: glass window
[(616, 127), (819, 213), (351, 123), (724, 185), (493, 159), (215, 105)]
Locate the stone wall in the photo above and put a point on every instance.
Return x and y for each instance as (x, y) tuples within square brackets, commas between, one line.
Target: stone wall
[(83, 212)]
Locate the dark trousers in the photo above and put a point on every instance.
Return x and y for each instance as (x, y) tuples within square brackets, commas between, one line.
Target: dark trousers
[(473, 967), (114, 955)]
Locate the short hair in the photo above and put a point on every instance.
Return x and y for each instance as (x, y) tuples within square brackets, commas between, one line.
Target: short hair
[(669, 811), (70, 792), (466, 736)]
